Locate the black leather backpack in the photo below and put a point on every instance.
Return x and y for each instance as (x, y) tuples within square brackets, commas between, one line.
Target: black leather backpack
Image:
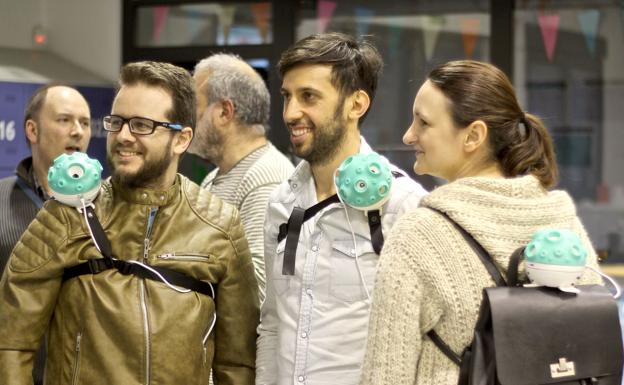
[(539, 335)]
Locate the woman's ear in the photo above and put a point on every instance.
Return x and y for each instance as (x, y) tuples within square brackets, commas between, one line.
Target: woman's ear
[(359, 102), (476, 135)]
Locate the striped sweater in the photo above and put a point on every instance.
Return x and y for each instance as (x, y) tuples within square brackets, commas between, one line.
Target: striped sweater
[(247, 186)]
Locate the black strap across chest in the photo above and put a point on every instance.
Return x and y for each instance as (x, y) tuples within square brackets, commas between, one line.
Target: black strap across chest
[(98, 265), (292, 229)]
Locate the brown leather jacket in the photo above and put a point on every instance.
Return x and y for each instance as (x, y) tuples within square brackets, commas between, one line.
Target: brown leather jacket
[(111, 328)]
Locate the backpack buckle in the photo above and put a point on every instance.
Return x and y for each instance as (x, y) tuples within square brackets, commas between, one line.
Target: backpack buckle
[(562, 369)]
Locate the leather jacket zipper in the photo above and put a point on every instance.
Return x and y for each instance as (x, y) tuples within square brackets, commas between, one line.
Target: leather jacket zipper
[(77, 359), (146, 247), (185, 257)]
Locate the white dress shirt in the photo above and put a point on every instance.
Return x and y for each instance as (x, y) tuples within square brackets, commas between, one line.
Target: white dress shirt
[(314, 324)]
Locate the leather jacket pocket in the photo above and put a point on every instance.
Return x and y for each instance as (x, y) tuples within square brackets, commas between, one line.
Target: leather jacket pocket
[(345, 279), (280, 282)]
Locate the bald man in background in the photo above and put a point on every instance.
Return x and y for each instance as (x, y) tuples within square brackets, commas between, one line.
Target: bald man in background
[(57, 120), (232, 119)]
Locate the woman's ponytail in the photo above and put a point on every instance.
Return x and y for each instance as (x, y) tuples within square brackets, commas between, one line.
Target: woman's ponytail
[(532, 153)]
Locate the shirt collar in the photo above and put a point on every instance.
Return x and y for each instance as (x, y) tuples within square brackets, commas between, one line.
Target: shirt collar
[(303, 172), (301, 181), (26, 172)]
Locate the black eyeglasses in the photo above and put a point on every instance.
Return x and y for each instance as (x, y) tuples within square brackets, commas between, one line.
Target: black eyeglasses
[(137, 124)]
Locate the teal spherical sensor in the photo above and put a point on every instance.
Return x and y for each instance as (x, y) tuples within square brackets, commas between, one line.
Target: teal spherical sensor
[(74, 178), (555, 258), (363, 181), (556, 247)]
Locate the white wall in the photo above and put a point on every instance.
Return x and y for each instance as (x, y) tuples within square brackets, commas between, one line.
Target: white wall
[(87, 33), (17, 20), (612, 29)]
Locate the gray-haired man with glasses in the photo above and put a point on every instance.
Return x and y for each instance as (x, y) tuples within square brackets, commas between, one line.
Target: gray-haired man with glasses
[(113, 326)]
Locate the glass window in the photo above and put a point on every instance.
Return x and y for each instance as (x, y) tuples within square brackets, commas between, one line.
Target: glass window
[(569, 70), (412, 38), (206, 24)]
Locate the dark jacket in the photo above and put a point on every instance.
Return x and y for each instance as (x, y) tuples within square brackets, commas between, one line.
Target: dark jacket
[(17, 210), (111, 328)]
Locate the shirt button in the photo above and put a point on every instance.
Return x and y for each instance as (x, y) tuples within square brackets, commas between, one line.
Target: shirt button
[(162, 197), (304, 335), (352, 251), (144, 195), (295, 186), (309, 291), (300, 378), (315, 248)]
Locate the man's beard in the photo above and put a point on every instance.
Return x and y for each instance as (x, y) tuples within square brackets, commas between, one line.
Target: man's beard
[(148, 175), (327, 139), (209, 144)]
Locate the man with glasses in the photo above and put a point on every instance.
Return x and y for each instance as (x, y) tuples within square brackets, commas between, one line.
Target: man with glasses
[(57, 120), (137, 312)]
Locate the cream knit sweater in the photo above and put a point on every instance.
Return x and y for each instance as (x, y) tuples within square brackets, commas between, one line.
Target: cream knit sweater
[(429, 277)]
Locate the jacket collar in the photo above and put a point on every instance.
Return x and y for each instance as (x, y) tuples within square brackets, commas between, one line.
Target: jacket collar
[(25, 171), (148, 196)]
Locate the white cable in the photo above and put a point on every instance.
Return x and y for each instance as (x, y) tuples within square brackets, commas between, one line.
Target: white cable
[(84, 211), (618, 291), (357, 257), (357, 260), (214, 321), (160, 276)]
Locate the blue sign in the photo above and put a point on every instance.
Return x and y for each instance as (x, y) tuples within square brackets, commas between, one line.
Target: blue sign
[(13, 142)]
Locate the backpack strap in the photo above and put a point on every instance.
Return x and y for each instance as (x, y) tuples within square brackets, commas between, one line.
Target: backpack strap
[(291, 229), (483, 255), (489, 264), (156, 273), (374, 225), (444, 348)]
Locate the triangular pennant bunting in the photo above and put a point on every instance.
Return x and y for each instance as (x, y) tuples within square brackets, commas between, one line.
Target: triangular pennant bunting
[(431, 30), (262, 15), (589, 21), (195, 23), (160, 16), (325, 11), (470, 32), (363, 17), (549, 26), (226, 19), (394, 41)]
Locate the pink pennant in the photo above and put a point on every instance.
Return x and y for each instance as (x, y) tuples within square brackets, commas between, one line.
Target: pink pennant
[(262, 14), (590, 21), (160, 16), (470, 31), (549, 26), (325, 10)]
